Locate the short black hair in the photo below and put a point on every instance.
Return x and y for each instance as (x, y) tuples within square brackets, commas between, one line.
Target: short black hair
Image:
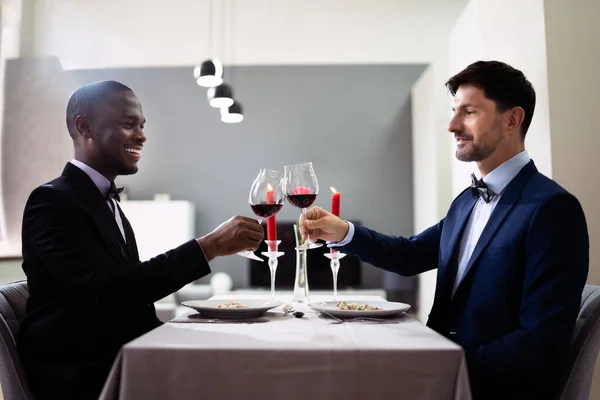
[(85, 99), (506, 86)]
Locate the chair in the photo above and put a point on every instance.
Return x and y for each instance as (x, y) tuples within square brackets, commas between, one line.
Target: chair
[(585, 344), (12, 310)]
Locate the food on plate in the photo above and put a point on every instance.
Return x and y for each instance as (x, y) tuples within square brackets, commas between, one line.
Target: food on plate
[(342, 305), (232, 304)]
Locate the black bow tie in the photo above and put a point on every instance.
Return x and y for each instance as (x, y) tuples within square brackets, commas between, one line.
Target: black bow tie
[(479, 188), (114, 192)]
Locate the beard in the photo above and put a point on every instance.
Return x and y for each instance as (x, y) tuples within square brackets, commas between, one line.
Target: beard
[(473, 150)]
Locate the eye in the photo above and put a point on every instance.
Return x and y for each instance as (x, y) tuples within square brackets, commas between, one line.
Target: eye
[(469, 112)]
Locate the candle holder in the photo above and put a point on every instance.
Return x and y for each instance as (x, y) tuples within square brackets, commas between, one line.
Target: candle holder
[(273, 255), (335, 257)]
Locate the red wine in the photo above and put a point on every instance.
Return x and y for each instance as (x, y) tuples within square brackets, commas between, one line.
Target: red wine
[(301, 200), (266, 210)]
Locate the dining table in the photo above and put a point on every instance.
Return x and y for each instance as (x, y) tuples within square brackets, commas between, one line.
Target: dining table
[(309, 356)]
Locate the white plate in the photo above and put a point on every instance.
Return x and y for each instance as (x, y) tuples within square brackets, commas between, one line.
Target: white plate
[(208, 308), (389, 309)]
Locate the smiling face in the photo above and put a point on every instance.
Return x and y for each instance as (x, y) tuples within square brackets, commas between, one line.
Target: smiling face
[(492, 111), (477, 125), (114, 135)]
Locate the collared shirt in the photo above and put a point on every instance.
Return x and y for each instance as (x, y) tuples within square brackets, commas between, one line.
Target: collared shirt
[(103, 186), (496, 181)]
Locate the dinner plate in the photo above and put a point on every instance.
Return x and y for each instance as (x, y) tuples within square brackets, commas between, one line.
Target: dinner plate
[(389, 309), (209, 309)]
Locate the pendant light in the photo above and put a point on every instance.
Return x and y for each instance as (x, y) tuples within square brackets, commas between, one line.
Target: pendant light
[(210, 72), (220, 96), (232, 114)]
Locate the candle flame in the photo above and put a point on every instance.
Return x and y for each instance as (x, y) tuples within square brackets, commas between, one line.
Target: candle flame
[(269, 187), (332, 189)]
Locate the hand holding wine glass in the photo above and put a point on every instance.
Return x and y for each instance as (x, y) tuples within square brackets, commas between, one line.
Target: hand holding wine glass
[(235, 234), (265, 199), (318, 223)]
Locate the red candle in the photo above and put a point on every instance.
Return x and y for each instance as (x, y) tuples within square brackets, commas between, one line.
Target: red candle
[(335, 202), (335, 205), (271, 225)]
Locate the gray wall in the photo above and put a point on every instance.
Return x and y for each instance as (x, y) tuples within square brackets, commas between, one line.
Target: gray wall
[(352, 122)]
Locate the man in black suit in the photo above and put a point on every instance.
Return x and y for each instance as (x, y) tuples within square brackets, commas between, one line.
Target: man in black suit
[(89, 292)]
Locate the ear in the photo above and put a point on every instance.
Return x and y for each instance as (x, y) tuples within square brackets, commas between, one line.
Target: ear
[(516, 115), (82, 126)]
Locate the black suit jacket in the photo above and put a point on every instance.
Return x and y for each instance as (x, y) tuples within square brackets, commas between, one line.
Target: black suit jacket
[(89, 293)]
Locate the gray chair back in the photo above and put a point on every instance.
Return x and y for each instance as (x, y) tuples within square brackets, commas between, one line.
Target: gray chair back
[(585, 344), (13, 297)]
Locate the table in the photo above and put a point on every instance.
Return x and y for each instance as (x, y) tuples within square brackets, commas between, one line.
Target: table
[(290, 358)]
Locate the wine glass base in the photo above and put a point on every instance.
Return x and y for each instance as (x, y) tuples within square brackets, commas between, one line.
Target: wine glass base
[(308, 246), (336, 255), (250, 255)]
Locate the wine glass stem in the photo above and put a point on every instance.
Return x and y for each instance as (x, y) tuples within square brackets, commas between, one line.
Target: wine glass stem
[(307, 242), (259, 219)]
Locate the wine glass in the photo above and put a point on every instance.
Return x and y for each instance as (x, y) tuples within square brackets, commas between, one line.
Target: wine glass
[(301, 188), (265, 198)]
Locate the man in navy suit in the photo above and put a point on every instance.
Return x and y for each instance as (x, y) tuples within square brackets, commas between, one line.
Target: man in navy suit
[(511, 254)]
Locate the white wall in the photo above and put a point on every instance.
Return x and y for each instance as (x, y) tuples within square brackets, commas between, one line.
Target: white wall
[(104, 33), (511, 31), (431, 163), (574, 83)]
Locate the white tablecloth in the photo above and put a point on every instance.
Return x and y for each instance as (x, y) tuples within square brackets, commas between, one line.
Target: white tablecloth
[(289, 358)]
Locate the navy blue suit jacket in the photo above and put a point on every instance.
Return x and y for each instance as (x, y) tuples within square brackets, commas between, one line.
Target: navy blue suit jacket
[(515, 309)]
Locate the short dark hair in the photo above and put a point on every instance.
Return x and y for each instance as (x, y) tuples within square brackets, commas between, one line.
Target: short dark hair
[(85, 99), (506, 86)]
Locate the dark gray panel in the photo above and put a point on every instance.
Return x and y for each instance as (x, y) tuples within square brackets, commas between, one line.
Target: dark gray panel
[(352, 122)]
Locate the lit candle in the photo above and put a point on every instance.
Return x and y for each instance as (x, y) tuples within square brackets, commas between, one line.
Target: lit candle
[(271, 225), (335, 204)]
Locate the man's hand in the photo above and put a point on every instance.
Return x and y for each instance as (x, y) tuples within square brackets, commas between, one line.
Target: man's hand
[(320, 224), (234, 235)]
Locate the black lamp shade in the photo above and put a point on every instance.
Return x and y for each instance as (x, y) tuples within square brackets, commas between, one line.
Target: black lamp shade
[(209, 74), (232, 114), (220, 96), (235, 108)]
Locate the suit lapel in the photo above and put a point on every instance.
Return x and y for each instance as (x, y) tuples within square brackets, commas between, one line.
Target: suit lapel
[(99, 209), (459, 227), (506, 203), (447, 270)]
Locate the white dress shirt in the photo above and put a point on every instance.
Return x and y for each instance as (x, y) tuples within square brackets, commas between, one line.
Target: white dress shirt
[(496, 181), (103, 186)]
